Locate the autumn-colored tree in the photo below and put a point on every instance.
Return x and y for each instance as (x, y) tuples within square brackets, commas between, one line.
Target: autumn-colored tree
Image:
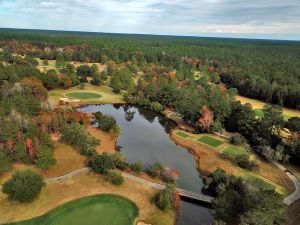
[(30, 148), (206, 118), (19, 136), (33, 86), (10, 146)]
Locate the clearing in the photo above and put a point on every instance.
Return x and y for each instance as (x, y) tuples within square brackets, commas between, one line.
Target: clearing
[(87, 95), (94, 210), (256, 104)]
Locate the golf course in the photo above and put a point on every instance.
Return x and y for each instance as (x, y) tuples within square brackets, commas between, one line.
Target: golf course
[(94, 210)]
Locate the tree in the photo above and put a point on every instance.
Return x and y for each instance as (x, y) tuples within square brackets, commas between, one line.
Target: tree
[(237, 139), (33, 86), (101, 164), (105, 123), (45, 158), (45, 62), (271, 124), (156, 169), (30, 148), (60, 61), (76, 135), (5, 162), (24, 186), (111, 68), (206, 118), (165, 199), (267, 209)]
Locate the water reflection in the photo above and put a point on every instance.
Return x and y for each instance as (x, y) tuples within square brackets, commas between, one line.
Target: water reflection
[(145, 137)]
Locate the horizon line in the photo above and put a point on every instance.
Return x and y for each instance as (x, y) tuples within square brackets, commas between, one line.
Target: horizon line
[(151, 34)]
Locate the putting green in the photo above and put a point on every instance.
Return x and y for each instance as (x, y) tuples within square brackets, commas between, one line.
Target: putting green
[(83, 95), (93, 210)]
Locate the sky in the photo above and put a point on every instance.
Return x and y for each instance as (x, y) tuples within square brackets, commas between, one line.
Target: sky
[(271, 19)]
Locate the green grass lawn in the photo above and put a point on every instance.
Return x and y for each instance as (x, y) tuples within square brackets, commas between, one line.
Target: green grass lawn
[(182, 134), (234, 151), (83, 95), (259, 113), (93, 210), (257, 182), (210, 141)]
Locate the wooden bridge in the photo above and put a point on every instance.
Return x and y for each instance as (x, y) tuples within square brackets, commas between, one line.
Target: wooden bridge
[(183, 193)]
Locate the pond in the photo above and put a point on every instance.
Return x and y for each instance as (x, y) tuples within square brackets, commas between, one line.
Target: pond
[(145, 137)]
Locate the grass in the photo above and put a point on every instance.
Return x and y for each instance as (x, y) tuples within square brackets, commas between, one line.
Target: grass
[(210, 141), (257, 182), (107, 96), (259, 113), (94, 210), (182, 134), (256, 104), (83, 95), (234, 151)]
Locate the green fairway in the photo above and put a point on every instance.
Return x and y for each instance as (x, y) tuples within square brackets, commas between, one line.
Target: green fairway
[(211, 141), (83, 95), (94, 210), (258, 183), (182, 134), (234, 151)]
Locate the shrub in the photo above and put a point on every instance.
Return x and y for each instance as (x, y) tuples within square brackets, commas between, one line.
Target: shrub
[(136, 167), (156, 169), (119, 161), (156, 106), (165, 199), (237, 139), (168, 176), (102, 164), (244, 161), (115, 178), (24, 186)]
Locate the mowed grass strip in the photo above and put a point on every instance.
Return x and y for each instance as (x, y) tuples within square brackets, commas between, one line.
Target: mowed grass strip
[(94, 210), (182, 134), (210, 141), (258, 183), (83, 95), (234, 151)]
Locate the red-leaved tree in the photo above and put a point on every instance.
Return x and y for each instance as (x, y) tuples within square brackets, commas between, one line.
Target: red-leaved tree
[(206, 118)]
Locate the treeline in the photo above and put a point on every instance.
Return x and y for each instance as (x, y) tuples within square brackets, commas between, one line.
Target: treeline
[(236, 201), (267, 70)]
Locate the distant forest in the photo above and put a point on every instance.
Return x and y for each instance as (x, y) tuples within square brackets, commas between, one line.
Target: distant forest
[(261, 69)]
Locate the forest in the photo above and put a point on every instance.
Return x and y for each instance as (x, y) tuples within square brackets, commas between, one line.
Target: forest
[(197, 77), (261, 69)]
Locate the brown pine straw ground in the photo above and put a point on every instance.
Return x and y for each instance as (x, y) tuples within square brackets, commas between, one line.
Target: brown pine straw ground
[(209, 159)]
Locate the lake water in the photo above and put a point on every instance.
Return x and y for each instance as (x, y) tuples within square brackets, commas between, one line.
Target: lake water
[(145, 137)]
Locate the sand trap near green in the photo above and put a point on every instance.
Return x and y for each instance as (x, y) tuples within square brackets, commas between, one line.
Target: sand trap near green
[(83, 95), (94, 210)]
